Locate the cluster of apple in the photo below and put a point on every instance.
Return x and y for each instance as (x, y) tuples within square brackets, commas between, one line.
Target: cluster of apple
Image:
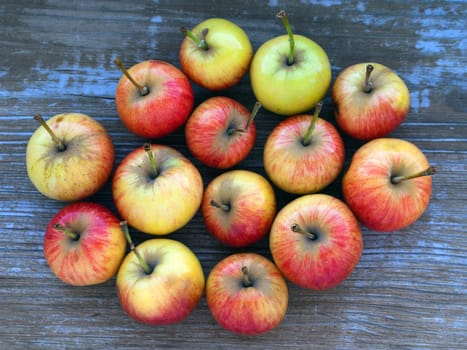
[(315, 240)]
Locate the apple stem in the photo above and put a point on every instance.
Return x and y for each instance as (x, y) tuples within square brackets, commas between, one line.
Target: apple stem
[(296, 228), (368, 84), (282, 15), (202, 44), (143, 90), (307, 138), (253, 114), (152, 161), (73, 235), (224, 207), (427, 172), (147, 269), (60, 145), (246, 277)]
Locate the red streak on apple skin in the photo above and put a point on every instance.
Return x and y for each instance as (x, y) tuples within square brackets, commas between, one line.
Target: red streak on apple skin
[(182, 302)]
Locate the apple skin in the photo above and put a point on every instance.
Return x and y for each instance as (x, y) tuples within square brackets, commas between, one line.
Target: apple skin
[(159, 205), (226, 60), (96, 255), (366, 116), (290, 89), (170, 292), (301, 169), (210, 132), (81, 169), (324, 262), (367, 188), (247, 310), (251, 207), (164, 109)]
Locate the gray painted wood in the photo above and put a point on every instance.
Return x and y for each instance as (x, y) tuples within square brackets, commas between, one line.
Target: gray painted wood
[(409, 289)]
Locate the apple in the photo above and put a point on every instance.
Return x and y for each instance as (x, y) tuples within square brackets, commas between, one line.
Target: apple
[(156, 189), (84, 244), (303, 153), (160, 281), (388, 184), (215, 54), (370, 100), (153, 98), (247, 294), (315, 241), (69, 157), (238, 207), (221, 132), (290, 73)]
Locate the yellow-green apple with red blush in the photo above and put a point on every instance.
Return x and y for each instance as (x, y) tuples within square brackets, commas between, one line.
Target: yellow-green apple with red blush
[(221, 132), (84, 244), (290, 73), (315, 241), (160, 282), (388, 184), (247, 294), (303, 153), (238, 207), (69, 157), (216, 54), (153, 98), (156, 189), (370, 100)]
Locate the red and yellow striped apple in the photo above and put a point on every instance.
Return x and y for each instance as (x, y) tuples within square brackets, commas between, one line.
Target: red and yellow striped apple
[(315, 241), (388, 184)]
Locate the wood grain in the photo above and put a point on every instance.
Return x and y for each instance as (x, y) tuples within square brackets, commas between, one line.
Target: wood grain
[(409, 289)]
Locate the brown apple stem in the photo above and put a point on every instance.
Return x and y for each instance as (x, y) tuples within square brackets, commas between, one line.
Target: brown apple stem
[(73, 235), (368, 84), (307, 138), (282, 15), (246, 277), (296, 228), (201, 43), (60, 145), (427, 172), (253, 114), (143, 90), (147, 269), (152, 161), (224, 207)]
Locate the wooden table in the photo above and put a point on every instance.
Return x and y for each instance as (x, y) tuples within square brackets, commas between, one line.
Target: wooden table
[(409, 289)]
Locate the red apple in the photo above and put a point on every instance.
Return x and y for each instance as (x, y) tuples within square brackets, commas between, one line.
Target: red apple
[(157, 189), (70, 157), (216, 54), (153, 98), (315, 241), (303, 154), (238, 207), (220, 132), (247, 294), (290, 73), (388, 184), (370, 100), (84, 244), (160, 281)]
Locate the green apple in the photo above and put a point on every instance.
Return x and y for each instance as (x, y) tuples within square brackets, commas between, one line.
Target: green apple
[(290, 73)]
